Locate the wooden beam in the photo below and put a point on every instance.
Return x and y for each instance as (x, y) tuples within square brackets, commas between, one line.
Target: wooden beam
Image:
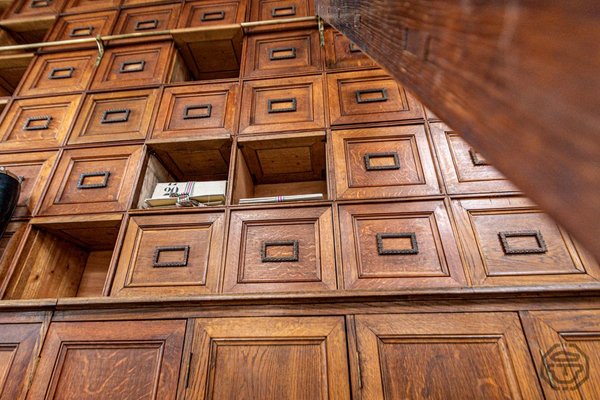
[(519, 79)]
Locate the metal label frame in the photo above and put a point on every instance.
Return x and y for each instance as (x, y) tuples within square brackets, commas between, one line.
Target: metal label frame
[(293, 258), (125, 64), (292, 108), (27, 127), (158, 250), (382, 251), (52, 75), (81, 185), (273, 57), (188, 108), (107, 113), (508, 250), (360, 93), (370, 167)]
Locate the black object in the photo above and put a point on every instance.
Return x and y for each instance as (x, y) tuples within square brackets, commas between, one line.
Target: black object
[(10, 188)]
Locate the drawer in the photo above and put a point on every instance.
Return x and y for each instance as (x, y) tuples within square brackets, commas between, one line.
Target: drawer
[(399, 245), (341, 53), (34, 170), (80, 6), (51, 74), (296, 52), (31, 8), (369, 96), (190, 112), (147, 19), (208, 13), (81, 26), (177, 254), (113, 116), (284, 104), (261, 10), (141, 65), (280, 250), (92, 180), (510, 242), (463, 168), (38, 123), (383, 162)]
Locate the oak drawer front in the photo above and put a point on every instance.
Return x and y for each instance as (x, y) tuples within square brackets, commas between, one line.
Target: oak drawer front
[(79, 6), (30, 8), (38, 123), (463, 168), (297, 52), (92, 180), (208, 13), (57, 73), (509, 241), (286, 104), (341, 53), (80, 26), (194, 111), (383, 162), (370, 96), (261, 10), (127, 66), (170, 254), (34, 171), (106, 117), (280, 250), (399, 245), (147, 19)]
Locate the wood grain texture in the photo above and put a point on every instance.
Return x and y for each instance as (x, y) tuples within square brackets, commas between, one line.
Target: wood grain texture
[(261, 10), (147, 19), (82, 25), (208, 13), (80, 6), (269, 358), (444, 356), (507, 77)]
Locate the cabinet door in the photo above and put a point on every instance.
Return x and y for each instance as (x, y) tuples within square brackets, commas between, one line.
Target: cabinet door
[(566, 350), (269, 358), (18, 342), (445, 357), (110, 360)]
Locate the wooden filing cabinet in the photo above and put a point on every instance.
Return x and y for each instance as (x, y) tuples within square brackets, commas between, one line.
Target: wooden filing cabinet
[(9, 244), (212, 13), (191, 112), (123, 359), (399, 245), (92, 180), (261, 10), (369, 96), (279, 105), (33, 8), (78, 26), (80, 6), (509, 241), (145, 19), (341, 53), (114, 116), (177, 254), (383, 162), (38, 123), (280, 250), (52, 74), (138, 65), (132, 3), (294, 52)]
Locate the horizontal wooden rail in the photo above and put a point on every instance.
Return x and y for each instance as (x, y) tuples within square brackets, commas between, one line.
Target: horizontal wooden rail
[(519, 79)]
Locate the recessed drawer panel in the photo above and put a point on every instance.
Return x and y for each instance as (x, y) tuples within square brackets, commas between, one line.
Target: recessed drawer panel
[(208, 13), (92, 180), (59, 73), (170, 254), (297, 52), (341, 53), (399, 245), (285, 104), (383, 162), (369, 96), (147, 19), (194, 111), (509, 241), (280, 9), (464, 169), (30, 8), (127, 66), (79, 6), (80, 26), (34, 170), (38, 123), (280, 250), (106, 117)]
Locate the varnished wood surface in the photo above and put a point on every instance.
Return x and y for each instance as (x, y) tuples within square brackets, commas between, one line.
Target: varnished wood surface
[(506, 76)]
